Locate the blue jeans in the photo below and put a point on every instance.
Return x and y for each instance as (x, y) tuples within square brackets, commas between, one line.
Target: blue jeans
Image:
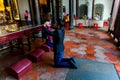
[(60, 61), (27, 22), (49, 43)]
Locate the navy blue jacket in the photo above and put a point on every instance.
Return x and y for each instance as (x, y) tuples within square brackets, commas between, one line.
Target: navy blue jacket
[(58, 39)]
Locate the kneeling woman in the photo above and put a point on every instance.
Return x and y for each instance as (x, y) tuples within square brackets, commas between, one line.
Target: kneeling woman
[(58, 47)]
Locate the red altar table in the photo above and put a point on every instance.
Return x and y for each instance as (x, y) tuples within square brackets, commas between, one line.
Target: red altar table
[(36, 30), (8, 38), (3, 40), (31, 32), (18, 35), (28, 33)]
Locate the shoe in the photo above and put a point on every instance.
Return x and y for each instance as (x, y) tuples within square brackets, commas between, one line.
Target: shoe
[(73, 65), (72, 58)]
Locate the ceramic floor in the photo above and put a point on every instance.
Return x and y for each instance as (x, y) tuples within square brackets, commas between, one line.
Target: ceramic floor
[(81, 43)]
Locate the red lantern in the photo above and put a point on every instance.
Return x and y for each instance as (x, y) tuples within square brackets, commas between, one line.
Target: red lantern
[(95, 26), (105, 23), (80, 25)]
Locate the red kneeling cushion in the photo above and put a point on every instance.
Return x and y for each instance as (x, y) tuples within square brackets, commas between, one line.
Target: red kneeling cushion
[(45, 47), (36, 55), (20, 68)]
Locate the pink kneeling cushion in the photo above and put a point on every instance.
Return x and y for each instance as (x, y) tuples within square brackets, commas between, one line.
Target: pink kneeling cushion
[(20, 68), (46, 48), (36, 55)]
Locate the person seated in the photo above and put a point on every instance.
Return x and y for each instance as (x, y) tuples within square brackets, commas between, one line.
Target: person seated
[(58, 47), (97, 17)]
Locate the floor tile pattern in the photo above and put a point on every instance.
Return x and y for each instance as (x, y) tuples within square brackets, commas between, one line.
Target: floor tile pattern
[(81, 43)]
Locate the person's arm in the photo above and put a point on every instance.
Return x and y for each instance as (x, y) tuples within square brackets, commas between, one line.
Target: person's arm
[(49, 32), (53, 26)]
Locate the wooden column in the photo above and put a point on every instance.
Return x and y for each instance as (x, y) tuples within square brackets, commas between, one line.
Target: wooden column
[(37, 7), (32, 12), (77, 7), (53, 12), (35, 10), (71, 13), (61, 9), (93, 1), (110, 20), (57, 10), (116, 32)]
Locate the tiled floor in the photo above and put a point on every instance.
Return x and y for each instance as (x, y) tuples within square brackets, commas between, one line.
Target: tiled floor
[(81, 43)]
